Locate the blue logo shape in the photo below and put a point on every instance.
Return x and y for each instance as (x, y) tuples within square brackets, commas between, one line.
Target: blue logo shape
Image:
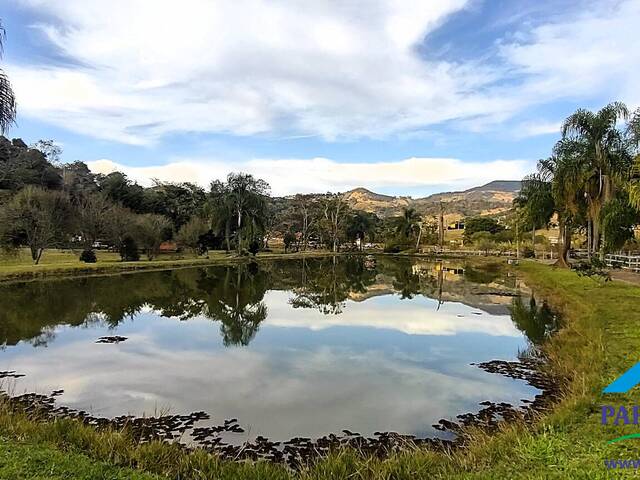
[(626, 382)]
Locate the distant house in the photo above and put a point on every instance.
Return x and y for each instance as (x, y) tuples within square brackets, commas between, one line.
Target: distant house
[(457, 225), (168, 247)]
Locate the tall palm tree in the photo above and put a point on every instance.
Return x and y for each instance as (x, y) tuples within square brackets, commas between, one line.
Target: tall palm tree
[(633, 135), (605, 157), (536, 201), (7, 97), (564, 171), (407, 223)]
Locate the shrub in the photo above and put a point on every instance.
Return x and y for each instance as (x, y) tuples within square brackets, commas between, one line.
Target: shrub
[(393, 246), (527, 252), (129, 250), (88, 256), (254, 247)]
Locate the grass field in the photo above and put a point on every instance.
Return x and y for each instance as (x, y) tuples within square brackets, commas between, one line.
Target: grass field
[(600, 339), (66, 263)]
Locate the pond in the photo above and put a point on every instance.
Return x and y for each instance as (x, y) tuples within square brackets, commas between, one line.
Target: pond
[(289, 348)]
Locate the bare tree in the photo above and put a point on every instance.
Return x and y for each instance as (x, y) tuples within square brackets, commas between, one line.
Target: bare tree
[(36, 218), (150, 232), (92, 217)]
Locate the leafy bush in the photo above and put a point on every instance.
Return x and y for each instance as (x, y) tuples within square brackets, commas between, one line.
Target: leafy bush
[(394, 246), (528, 252), (254, 247), (595, 270), (88, 256), (129, 250)]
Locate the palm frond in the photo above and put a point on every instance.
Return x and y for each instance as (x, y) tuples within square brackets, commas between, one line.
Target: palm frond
[(7, 103)]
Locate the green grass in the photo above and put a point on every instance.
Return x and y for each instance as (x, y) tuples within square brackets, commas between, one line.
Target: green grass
[(66, 263), (24, 461), (600, 340)]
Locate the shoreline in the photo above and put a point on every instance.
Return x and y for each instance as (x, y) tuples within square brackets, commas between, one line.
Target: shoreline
[(29, 273), (566, 440)]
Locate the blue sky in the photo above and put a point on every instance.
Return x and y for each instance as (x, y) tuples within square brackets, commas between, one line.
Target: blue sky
[(429, 95)]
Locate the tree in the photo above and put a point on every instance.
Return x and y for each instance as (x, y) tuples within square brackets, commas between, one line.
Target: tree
[(305, 207), (92, 216), (565, 171), (334, 215), (151, 230), (247, 197), (483, 241), (119, 189), (176, 201), (289, 239), (407, 223), (36, 218), (119, 224), (480, 224), (239, 206), (7, 97), (50, 149), (21, 165), (605, 158), (361, 225), (78, 181), (536, 204), (190, 235)]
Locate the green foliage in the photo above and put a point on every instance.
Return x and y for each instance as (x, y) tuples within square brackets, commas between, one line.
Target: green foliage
[(289, 239), (7, 97), (595, 269), (361, 225), (254, 247), (406, 225), (21, 166), (88, 256), (483, 241), (480, 224), (36, 218), (618, 220), (151, 231), (129, 249), (239, 208), (190, 234)]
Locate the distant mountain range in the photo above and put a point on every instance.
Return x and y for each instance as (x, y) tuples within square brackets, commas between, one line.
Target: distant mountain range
[(493, 198)]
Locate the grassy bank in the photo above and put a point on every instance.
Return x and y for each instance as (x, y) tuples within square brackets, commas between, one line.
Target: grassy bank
[(599, 341), (65, 263)]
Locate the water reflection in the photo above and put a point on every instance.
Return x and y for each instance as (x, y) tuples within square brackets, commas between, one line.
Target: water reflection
[(318, 344), (536, 322)]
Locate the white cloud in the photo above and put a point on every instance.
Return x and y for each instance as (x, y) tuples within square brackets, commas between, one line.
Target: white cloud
[(146, 68), (288, 176), (535, 128), (591, 51), (420, 317)]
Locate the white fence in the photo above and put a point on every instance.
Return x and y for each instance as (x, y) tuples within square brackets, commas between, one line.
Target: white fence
[(629, 262)]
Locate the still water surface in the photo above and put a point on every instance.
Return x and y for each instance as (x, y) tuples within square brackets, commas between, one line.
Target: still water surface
[(290, 348)]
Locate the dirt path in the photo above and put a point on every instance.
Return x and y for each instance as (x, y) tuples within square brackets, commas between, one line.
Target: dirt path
[(625, 276)]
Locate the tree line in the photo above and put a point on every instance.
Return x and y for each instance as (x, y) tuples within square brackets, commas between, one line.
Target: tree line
[(590, 185)]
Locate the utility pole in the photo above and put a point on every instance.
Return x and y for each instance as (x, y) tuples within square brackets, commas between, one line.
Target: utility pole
[(517, 235), (441, 226)]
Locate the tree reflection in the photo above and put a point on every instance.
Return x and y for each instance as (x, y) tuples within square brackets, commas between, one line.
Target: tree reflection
[(536, 322), (327, 283), (232, 295)]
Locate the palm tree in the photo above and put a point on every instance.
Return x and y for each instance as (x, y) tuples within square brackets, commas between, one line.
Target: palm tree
[(605, 157), (7, 97), (536, 202), (633, 135), (407, 223)]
